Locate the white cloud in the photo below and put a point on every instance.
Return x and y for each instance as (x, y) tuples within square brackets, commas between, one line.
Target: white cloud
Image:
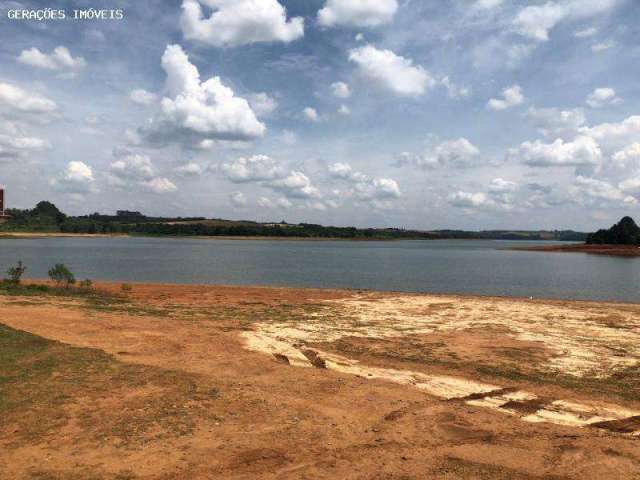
[(252, 169), (627, 158), (394, 72), (262, 104), (296, 185), (60, 60), (552, 122), (631, 185), (377, 191), (190, 169), (15, 144), (460, 153), (138, 170), (602, 46), (488, 4), (266, 202), (470, 200), (357, 13), (499, 185), (344, 110), (344, 171), (159, 185), (583, 150), (585, 32), (615, 135), (142, 97), (238, 199), (602, 97), (587, 189), (239, 22), (453, 90), (341, 90), (17, 99), (196, 111), (511, 97), (311, 114), (536, 21), (77, 178)]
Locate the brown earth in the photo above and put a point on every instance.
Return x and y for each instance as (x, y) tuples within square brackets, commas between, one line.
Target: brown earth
[(195, 382), (614, 250)]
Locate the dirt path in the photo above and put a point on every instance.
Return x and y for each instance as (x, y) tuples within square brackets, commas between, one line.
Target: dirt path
[(238, 411)]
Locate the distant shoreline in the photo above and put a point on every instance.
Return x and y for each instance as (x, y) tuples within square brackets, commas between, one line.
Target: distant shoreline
[(612, 250)]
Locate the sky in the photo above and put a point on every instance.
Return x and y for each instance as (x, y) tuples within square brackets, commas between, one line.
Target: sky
[(469, 114)]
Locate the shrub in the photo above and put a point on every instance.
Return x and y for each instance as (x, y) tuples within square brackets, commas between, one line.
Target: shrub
[(126, 287), (62, 275), (15, 273), (86, 284)]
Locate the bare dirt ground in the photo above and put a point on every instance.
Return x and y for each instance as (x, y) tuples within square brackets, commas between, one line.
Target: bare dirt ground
[(613, 250), (188, 382)]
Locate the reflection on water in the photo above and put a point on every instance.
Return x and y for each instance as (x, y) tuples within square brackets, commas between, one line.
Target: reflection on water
[(449, 266)]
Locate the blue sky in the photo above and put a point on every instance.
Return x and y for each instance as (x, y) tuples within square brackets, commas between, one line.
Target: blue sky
[(422, 114)]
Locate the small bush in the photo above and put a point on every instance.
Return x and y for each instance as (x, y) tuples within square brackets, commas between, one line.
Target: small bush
[(86, 284), (125, 287), (15, 273), (62, 276)]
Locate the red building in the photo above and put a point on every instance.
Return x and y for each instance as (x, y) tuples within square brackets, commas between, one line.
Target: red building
[(2, 204)]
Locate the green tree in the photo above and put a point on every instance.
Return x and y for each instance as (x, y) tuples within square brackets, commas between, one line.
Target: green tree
[(15, 273), (61, 275)]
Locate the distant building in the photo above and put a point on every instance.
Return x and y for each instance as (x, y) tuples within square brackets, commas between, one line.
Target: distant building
[(3, 215)]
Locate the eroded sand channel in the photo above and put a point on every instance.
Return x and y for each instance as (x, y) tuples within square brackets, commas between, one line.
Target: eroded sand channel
[(580, 340)]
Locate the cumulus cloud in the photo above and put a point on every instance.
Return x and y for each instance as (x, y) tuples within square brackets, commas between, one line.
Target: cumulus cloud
[(138, 170), (344, 110), (392, 71), (459, 153), (586, 190), (77, 178), (487, 4), (257, 168), (585, 32), (602, 46), (601, 97), (499, 185), (614, 135), (239, 22), (455, 91), (556, 123), (142, 97), (378, 192), (59, 60), (238, 199), (470, 200), (311, 114), (296, 185), (16, 99), (262, 104), (282, 202), (511, 97), (583, 150), (341, 90), (627, 158), (536, 21), (159, 185), (357, 13), (196, 111), (190, 169), (15, 144)]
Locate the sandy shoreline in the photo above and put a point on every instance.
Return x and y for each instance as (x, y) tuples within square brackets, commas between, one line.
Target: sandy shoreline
[(327, 384), (613, 250)]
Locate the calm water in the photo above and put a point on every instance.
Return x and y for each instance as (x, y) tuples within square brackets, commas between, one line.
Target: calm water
[(450, 266)]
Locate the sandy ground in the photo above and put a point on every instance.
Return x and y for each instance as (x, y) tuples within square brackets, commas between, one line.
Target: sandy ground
[(613, 250), (342, 384)]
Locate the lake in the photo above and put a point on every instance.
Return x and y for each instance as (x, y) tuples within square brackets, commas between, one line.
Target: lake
[(483, 267)]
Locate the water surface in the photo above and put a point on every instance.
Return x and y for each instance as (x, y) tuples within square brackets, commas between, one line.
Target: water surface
[(446, 266)]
